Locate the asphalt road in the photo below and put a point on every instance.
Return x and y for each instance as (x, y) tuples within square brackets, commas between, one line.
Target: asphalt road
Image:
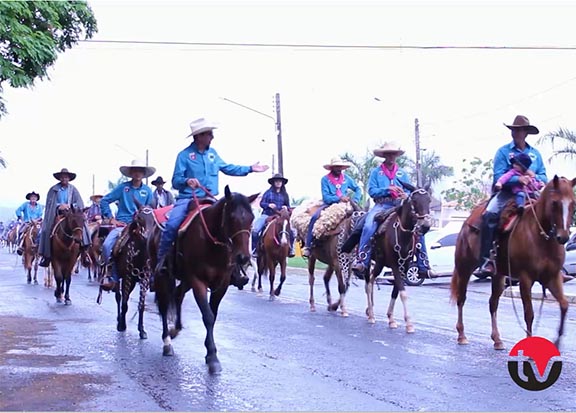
[(276, 355)]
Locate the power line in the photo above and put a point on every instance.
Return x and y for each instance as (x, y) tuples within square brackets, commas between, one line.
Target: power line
[(330, 46)]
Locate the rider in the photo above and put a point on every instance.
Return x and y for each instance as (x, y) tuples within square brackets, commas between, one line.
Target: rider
[(520, 128), (195, 171), (520, 167), (27, 212), (128, 194), (162, 197), (335, 186), (94, 213), (60, 198), (386, 189), (274, 199)]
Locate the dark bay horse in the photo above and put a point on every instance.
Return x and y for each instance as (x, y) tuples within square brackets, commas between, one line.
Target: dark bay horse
[(133, 265), (215, 242), (273, 250), (30, 255), (395, 244), (328, 250), (533, 250), (65, 244)]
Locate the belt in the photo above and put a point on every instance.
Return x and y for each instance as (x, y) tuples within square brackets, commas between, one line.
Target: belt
[(384, 200)]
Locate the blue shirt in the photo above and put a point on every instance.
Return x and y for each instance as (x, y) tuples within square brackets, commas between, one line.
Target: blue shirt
[(28, 212), (502, 163), (273, 197), (191, 163), (379, 183), (125, 193), (62, 197), (329, 190)]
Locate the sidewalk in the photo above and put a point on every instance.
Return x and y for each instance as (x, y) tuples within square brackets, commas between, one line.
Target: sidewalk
[(569, 292)]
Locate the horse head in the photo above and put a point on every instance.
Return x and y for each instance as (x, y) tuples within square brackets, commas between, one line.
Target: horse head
[(555, 208), (237, 217), (73, 224), (143, 221), (282, 225), (415, 209)]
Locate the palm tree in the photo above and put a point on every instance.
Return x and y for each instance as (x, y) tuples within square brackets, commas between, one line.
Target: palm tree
[(112, 185), (431, 170), (568, 139), (2, 162)]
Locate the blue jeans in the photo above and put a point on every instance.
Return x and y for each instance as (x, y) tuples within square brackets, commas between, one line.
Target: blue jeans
[(313, 220), (170, 232), (257, 226), (107, 247), (370, 226), (520, 198)]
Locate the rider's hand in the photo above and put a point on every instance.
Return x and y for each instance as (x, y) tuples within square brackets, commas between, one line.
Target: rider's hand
[(345, 198), (524, 180), (193, 183), (271, 205), (258, 168)]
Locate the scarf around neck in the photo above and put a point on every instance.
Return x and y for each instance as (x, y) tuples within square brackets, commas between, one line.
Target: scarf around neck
[(337, 182)]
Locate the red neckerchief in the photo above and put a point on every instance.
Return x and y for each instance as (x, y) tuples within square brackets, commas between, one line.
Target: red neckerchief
[(391, 174), (337, 182)]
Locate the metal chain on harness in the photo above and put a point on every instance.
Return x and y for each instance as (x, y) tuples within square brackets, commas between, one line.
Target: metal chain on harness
[(398, 248)]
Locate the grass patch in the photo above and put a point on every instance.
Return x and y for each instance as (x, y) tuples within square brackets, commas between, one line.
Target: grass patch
[(299, 262)]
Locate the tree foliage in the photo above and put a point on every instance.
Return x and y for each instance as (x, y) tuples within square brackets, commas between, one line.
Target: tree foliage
[(567, 140), (474, 187), (33, 32)]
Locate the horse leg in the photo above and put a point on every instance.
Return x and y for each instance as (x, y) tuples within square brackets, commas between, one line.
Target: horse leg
[(282, 277), (122, 296), (369, 288), (311, 265), (209, 318), (404, 299), (557, 290), (68, 280), (179, 294), (497, 289), (35, 270), (59, 283), (29, 275), (141, 309), (526, 294), (163, 294), (459, 288), (261, 270), (342, 288), (271, 276), (327, 276), (398, 286)]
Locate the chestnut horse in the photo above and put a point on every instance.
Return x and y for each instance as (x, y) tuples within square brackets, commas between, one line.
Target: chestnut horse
[(273, 250), (65, 244), (215, 243), (531, 251), (395, 244), (30, 255), (133, 265)]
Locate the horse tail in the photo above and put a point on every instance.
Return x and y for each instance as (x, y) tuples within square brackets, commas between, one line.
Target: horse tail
[(454, 287), (165, 296)]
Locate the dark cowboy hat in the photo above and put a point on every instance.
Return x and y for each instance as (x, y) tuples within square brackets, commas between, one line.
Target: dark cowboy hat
[(158, 181), (523, 159), (278, 177), (523, 122), (28, 195), (57, 175)]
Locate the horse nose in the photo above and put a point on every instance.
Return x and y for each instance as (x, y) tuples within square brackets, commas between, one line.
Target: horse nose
[(242, 259), (562, 239)]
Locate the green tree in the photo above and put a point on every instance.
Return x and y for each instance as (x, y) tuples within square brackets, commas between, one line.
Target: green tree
[(567, 140), (474, 187), (121, 180), (431, 170), (360, 171), (33, 32), (294, 202)]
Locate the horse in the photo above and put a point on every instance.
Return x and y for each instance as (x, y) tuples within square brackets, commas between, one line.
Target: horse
[(212, 245), (273, 250), (133, 265), (395, 244), (328, 250), (12, 239), (65, 242), (532, 250), (95, 260), (30, 255)]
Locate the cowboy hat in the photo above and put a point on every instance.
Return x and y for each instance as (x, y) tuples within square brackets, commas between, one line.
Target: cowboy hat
[(523, 122), (57, 175), (93, 197), (158, 181), (337, 162), (137, 163), (277, 177), (28, 195), (388, 147), (201, 125)]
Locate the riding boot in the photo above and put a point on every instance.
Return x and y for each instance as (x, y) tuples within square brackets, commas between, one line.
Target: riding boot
[(488, 233), (44, 262), (351, 241)]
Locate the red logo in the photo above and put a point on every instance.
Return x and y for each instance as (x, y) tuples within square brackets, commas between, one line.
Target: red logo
[(534, 363), (193, 156)]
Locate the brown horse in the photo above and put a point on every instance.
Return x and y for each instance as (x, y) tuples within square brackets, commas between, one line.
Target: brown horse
[(65, 244), (95, 263), (273, 250), (395, 244), (531, 251), (133, 265), (30, 255), (328, 250), (215, 242)]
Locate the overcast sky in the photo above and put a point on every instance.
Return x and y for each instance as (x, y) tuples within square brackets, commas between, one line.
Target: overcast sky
[(106, 104)]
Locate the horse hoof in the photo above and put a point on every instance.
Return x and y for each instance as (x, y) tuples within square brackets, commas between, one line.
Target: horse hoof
[(121, 327), (392, 324), (29, 281), (253, 289), (143, 335), (463, 341), (333, 307), (312, 309), (409, 329), (345, 314), (35, 282), (167, 350), (58, 300), (214, 367), (499, 346), (272, 297), (371, 320), (68, 302)]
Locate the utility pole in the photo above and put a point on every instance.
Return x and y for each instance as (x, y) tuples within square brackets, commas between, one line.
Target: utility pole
[(146, 164), (279, 130), (93, 184), (417, 141)]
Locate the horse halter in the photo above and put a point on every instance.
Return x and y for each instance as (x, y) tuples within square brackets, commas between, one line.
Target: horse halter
[(413, 213)]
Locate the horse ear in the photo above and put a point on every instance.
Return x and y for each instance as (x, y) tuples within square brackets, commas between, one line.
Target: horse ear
[(556, 181), (252, 198), (227, 193), (408, 186), (573, 181)]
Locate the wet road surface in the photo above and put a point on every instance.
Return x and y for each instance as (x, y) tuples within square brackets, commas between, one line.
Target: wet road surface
[(275, 355)]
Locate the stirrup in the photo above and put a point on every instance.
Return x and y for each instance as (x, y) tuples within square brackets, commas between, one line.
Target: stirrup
[(488, 267)]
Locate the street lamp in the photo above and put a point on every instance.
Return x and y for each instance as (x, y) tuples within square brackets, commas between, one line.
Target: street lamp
[(277, 122)]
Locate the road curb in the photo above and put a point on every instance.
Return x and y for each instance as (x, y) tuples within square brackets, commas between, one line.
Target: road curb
[(515, 293)]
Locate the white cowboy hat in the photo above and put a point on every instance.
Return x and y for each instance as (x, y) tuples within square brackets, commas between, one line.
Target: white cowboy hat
[(337, 162), (137, 163), (201, 125), (388, 147)]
